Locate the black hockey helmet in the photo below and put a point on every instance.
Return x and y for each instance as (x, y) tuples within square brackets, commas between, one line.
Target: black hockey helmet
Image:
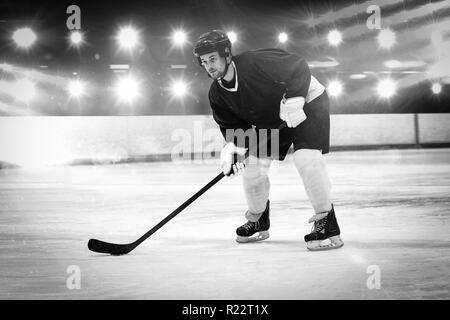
[(215, 40)]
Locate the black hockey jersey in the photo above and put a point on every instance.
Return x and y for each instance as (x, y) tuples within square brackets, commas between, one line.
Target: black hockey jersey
[(262, 76)]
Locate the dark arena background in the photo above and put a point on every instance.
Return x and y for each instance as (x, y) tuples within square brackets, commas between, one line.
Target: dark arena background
[(106, 128)]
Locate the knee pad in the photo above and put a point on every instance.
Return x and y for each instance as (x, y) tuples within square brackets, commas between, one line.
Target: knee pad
[(255, 167), (304, 158)]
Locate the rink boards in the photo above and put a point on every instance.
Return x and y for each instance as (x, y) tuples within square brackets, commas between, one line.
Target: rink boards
[(48, 140)]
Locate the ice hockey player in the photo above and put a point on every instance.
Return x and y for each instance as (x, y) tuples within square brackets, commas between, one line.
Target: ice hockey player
[(257, 90)]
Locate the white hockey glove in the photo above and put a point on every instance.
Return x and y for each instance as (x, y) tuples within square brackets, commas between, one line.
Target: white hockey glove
[(291, 111), (228, 162)]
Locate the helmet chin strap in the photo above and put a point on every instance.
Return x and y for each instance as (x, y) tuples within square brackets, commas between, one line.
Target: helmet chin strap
[(224, 72)]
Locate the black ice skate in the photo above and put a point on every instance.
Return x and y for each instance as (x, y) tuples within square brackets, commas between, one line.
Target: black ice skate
[(325, 234), (246, 233)]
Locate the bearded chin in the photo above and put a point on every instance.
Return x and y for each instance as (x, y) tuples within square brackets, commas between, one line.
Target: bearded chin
[(220, 76), (223, 74)]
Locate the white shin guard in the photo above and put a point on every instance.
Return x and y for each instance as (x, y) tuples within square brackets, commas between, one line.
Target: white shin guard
[(312, 169), (256, 186)]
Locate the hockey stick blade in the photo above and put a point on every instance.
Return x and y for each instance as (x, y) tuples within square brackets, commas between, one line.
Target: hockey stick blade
[(109, 248), (120, 249)]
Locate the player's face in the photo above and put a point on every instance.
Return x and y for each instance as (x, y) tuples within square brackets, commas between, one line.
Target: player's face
[(214, 64)]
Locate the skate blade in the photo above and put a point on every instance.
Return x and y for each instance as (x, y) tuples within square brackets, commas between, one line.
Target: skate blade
[(262, 235), (328, 244)]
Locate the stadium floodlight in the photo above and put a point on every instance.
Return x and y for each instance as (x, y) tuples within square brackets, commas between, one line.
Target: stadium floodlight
[(357, 76), (127, 89), (127, 37), (179, 37), (386, 88), (386, 38), (24, 37), (179, 88), (76, 38), (436, 88), (76, 89), (232, 36), (334, 88), (334, 38), (282, 37)]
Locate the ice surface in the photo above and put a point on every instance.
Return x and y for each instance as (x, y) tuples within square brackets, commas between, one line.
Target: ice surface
[(392, 206)]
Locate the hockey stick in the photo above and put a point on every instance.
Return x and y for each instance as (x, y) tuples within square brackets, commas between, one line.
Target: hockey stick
[(121, 249)]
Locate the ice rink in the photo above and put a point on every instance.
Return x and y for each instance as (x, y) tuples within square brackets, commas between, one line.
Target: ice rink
[(392, 206)]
